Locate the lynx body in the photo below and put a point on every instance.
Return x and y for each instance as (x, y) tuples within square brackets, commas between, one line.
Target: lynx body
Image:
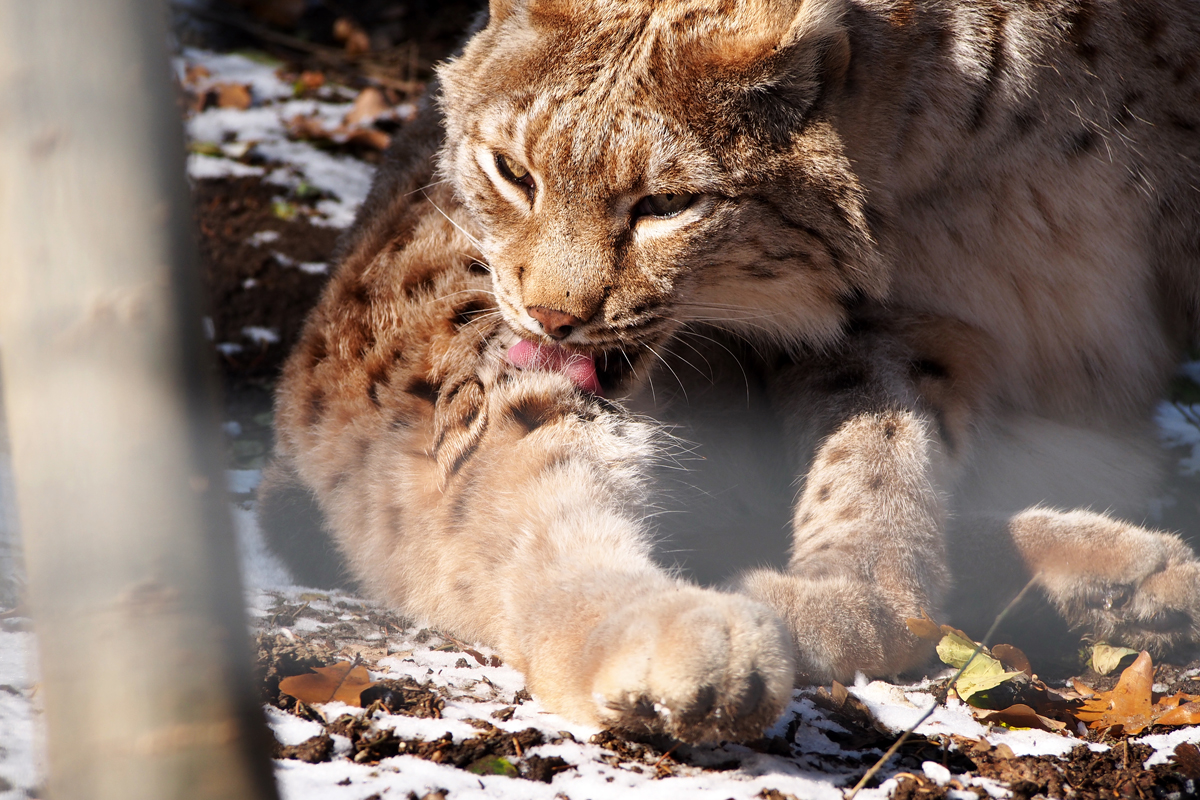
[(894, 284)]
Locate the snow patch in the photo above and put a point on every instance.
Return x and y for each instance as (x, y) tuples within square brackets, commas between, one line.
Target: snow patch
[(201, 166)]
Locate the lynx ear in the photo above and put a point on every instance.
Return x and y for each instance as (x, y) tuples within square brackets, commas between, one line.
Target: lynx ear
[(759, 28), (781, 59)]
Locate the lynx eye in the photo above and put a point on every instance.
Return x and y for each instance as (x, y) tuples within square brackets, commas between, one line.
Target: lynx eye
[(662, 205), (514, 173)]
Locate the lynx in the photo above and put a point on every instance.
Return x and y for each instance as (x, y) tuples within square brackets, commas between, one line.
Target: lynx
[(686, 348)]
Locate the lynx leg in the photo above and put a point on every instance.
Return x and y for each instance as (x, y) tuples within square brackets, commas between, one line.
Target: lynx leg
[(1121, 582), (533, 545), (868, 548), (868, 551)]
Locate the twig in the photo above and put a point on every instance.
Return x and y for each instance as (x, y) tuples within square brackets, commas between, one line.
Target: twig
[(357, 660), (666, 755), (891, 751)]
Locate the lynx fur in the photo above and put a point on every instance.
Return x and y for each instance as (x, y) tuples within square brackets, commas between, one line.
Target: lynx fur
[(660, 286)]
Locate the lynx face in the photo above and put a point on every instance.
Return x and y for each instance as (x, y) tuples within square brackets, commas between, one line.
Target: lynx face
[(625, 181)]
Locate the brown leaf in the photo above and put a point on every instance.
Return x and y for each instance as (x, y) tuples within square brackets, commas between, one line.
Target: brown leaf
[(1187, 760), (1022, 716), (343, 682), (947, 630), (1186, 714), (195, 73), (475, 654), (369, 137), (1130, 703), (1012, 658), (368, 106), (924, 628), (233, 95), (303, 127), (311, 80), (1132, 696), (839, 693)]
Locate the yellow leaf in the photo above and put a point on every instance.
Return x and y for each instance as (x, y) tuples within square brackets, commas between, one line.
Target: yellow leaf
[(955, 649), (980, 675), (983, 673), (1106, 658)]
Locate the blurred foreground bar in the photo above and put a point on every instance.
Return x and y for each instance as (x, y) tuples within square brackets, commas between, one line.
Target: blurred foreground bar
[(129, 549)]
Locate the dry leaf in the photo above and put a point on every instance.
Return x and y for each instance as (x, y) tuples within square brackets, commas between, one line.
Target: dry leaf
[(1022, 716), (1187, 760), (368, 106), (195, 73), (475, 654), (1106, 658), (979, 675), (1186, 714), (924, 628), (369, 137), (303, 127), (311, 80), (1129, 704), (343, 682), (233, 95), (1013, 658)]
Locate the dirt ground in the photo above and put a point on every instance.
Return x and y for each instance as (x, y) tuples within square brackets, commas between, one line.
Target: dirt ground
[(248, 286)]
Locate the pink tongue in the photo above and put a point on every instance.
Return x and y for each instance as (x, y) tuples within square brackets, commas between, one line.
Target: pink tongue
[(579, 367)]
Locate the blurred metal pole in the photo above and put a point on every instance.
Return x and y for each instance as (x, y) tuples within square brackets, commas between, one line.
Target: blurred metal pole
[(129, 548)]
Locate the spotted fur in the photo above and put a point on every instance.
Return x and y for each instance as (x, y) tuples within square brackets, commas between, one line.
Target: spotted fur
[(933, 265)]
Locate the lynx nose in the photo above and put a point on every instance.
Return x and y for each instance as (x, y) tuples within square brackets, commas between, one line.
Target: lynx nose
[(557, 324)]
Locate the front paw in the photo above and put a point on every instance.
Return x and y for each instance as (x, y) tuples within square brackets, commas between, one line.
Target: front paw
[(1160, 613), (694, 664)]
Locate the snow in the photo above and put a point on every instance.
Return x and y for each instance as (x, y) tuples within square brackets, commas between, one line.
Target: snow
[(263, 237), (260, 335), (201, 166), (21, 739), (263, 128)]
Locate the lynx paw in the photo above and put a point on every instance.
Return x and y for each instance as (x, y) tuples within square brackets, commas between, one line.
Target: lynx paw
[(1159, 613), (695, 664)]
